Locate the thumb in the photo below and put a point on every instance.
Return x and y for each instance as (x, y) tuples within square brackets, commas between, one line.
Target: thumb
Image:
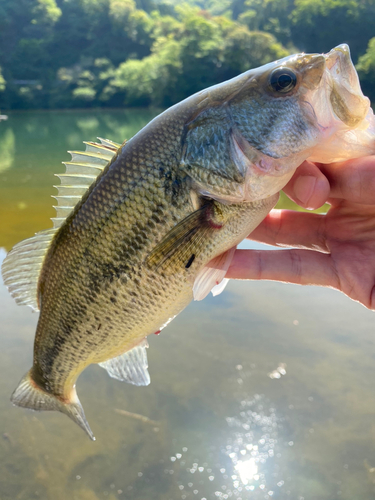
[(308, 187)]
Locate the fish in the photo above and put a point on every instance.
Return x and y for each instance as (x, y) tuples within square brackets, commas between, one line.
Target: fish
[(144, 227)]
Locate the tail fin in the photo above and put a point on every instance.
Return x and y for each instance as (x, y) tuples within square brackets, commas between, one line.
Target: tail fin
[(29, 395)]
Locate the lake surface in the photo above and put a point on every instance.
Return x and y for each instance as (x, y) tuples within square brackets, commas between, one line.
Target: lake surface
[(266, 391)]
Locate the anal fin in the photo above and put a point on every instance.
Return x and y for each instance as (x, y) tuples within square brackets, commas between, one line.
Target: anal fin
[(131, 366)]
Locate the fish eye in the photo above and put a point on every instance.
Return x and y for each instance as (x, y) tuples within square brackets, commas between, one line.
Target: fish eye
[(282, 80)]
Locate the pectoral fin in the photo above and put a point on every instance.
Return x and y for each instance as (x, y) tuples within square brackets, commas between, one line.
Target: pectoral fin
[(187, 239), (212, 278)]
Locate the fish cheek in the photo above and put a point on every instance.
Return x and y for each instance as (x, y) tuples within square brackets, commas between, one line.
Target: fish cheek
[(207, 157), (207, 146), (276, 126)]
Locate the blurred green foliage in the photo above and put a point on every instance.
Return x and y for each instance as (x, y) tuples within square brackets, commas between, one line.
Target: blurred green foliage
[(85, 53), (366, 68), (2, 82)]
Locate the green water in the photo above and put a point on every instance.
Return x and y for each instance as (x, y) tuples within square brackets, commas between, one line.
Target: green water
[(221, 427)]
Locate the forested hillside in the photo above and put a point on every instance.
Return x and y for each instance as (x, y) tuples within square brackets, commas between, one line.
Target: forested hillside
[(84, 53)]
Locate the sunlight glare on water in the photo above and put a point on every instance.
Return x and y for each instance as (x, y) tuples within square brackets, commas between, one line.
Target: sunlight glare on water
[(265, 391), (247, 471)]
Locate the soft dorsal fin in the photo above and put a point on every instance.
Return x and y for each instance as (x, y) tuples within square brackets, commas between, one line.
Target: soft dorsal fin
[(131, 366), (21, 267)]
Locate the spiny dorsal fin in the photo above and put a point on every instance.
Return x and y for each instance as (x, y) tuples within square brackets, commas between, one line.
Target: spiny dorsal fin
[(80, 173), (131, 366), (21, 267)]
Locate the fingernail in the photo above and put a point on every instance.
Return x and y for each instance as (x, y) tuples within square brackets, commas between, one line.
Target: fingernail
[(304, 188)]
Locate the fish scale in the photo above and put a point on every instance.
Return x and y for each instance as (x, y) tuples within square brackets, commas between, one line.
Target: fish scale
[(144, 227)]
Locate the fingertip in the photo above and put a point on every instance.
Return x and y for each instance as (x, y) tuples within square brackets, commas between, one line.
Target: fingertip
[(304, 189), (319, 194), (308, 187)]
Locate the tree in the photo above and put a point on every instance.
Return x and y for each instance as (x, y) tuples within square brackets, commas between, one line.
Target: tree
[(81, 85), (271, 16), (320, 25), (26, 27), (366, 70), (2, 82), (246, 49), (195, 52), (69, 53), (151, 80)]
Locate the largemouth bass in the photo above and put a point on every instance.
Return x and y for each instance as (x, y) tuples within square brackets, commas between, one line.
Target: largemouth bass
[(144, 227)]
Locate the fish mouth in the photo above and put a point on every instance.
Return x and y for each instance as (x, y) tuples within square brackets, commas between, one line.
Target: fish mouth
[(348, 103)]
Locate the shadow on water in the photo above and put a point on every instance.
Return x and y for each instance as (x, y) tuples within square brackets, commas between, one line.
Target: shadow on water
[(265, 391)]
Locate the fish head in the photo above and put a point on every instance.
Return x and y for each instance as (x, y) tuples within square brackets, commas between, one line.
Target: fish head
[(256, 129)]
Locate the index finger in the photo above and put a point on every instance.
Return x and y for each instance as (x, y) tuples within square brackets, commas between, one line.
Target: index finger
[(352, 180)]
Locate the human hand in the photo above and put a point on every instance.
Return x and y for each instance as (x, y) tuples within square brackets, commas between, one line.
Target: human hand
[(336, 249)]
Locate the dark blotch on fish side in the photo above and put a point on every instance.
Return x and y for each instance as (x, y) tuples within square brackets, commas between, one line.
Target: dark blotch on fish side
[(190, 261)]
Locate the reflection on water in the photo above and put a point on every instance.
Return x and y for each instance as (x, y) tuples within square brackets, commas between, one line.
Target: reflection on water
[(7, 146), (266, 391)]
